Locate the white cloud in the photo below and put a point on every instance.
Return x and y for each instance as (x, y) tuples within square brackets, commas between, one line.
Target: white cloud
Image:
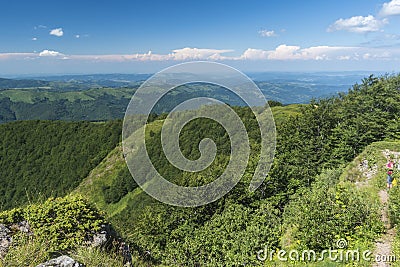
[(324, 52), (7, 56), (40, 27), (280, 53), (266, 33), (366, 56), (344, 57), (284, 52), (255, 54), (77, 36), (291, 52), (57, 32), (50, 53), (390, 9), (34, 39), (188, 53), (358, 24)]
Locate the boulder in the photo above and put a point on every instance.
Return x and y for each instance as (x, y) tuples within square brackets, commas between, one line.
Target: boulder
[(62, 261), (101, 238)]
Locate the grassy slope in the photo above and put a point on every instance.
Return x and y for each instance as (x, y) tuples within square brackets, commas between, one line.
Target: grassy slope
[(281, 113)]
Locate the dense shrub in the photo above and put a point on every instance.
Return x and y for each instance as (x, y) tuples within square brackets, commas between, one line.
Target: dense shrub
[(63, 223), (318, 217)]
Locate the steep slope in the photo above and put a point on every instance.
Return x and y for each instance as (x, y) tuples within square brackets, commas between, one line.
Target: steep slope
[(113, 168), (39, 159)]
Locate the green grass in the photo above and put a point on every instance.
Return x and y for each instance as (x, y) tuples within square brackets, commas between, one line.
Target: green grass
[(281, 113), (29, 252), (102, 175), (95, 257)]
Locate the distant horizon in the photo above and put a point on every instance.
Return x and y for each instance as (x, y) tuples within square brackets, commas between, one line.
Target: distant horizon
[(40, 75)]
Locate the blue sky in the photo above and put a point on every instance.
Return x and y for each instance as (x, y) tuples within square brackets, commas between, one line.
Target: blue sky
[(53, 37)]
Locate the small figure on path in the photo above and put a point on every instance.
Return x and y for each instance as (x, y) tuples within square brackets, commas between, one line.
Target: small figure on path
[(389, 166)]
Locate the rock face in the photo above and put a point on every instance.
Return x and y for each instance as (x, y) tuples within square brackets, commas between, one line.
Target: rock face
[(62, 261), (5, 240)]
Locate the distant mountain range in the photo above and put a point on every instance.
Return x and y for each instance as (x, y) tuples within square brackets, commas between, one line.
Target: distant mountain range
[(106, 96)]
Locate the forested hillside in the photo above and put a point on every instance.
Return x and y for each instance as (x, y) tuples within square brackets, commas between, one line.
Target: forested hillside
[(39, 159)]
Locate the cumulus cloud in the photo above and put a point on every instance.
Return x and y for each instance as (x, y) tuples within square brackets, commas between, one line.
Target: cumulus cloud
[(50, 53), (284, 52), (291, 52), (358, 24), (34, 39), (255, 54), (325, 52), (390, 9), (57, 32), (188, 53), (182, 54), (280, 53), (266, 33)]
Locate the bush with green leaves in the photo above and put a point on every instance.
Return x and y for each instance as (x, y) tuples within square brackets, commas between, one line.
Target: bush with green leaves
[(316, 218), (63, 222), (231, 238), (394, 206)]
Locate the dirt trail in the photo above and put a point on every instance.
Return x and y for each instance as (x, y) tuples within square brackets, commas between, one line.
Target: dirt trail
[(384, 244)]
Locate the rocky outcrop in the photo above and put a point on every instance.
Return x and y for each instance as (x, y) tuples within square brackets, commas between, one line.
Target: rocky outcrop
[(5, 240), (103, 238), (62, 261)]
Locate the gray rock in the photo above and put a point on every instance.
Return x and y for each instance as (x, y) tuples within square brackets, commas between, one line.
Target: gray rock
[(5, 240), (101, 238), (22, 227), (62, 261)]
